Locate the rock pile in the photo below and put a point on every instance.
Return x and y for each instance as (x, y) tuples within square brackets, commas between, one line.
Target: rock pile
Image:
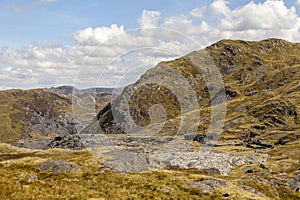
[(66, 142)]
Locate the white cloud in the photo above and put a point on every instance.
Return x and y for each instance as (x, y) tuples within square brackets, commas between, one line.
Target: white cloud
[(95, 48), (96, 36), (149, 19), (298, 2), (34, 65), (253, 21), (44, 2), (55, 65), (17, 9), (218, 7), (198, 12), (270, 15), (180, 23)]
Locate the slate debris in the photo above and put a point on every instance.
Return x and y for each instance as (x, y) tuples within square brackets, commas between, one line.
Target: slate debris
[(66, 142)]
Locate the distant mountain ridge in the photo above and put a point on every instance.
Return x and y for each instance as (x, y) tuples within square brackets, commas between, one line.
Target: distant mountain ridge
[(66, 89)]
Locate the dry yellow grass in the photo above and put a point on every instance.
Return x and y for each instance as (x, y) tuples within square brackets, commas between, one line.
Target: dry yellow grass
[(18, 165)]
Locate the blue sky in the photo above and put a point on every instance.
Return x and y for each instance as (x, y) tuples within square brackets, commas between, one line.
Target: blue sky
[(40, 38), (27, 21)]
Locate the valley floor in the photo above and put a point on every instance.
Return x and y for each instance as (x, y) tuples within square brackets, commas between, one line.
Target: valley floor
[(67, 174)]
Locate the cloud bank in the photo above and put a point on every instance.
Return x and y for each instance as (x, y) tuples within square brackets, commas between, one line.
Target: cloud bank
[(109, 53)]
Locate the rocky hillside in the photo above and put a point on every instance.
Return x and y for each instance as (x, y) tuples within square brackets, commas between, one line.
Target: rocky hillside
[(258, 89), (39, 113), (261, 82), (247, 116)]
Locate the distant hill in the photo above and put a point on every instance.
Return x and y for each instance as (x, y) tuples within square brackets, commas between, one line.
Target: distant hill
[(66, 89), (40, 113)]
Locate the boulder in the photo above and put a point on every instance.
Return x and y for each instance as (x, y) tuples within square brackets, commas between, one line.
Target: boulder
[(58, 166)]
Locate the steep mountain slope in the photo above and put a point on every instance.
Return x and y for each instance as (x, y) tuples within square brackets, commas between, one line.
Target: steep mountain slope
[(261, 81)]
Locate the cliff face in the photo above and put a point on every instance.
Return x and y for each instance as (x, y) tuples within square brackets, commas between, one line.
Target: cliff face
[(261, 87)]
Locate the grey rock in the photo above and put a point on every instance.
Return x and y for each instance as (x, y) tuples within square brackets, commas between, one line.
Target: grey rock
[(294, 183), (58, 166), (203, 187), (252, 190), (272, 181), (212, 170), (207, 185), (45, 124), (196, 137), (126, 161), (104, 169), (66, 142), (32, 144), (215, 182), (220, 162), (206, 188), (31, 177)]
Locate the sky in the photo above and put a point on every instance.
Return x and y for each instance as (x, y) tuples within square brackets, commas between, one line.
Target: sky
[(91, 43)]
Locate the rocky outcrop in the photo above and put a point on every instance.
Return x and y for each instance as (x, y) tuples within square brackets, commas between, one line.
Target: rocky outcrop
[(252, 190), (207, 185), (294, 182), (66, 142)]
